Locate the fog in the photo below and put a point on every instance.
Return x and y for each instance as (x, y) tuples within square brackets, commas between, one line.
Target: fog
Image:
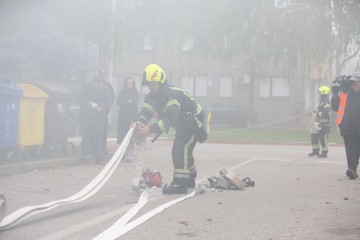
[(243, 52), (254, 66)]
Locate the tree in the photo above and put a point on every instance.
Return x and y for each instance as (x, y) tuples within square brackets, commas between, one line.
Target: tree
[(346, 31), (42, 41)]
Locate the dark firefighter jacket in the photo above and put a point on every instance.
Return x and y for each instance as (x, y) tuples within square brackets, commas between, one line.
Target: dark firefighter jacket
[(324, 111), (171, 104)]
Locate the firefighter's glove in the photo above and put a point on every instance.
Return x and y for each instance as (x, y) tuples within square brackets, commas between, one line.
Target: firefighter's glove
[(142, 132), (137, 125)]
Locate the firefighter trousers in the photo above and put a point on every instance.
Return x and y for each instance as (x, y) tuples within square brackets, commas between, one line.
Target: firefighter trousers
[(182, 155), (320, 137)]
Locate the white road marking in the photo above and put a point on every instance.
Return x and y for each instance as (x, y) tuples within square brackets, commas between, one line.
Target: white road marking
[(328, 162), (275, 159)]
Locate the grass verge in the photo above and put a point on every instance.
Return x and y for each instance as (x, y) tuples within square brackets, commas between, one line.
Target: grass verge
[(267, 135)]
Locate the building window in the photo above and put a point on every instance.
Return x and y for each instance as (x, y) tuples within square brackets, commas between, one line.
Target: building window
[(274, 87), (227, 44), (226, 86), (195, 86), (187, 83), (280, 87), (201, 86), (148, 43), (132, 4), (188, 44), (282, 3)]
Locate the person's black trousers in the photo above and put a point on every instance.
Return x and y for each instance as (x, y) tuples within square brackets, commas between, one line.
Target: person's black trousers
[(352, 149)]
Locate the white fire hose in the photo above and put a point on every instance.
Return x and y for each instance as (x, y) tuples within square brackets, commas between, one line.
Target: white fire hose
[(122, 225), (95, 185)]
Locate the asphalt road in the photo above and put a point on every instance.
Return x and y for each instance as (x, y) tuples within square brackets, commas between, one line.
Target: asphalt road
[(295, 197)]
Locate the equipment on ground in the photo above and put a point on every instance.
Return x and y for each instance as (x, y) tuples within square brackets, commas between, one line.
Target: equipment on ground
[(149, 179), (144, 178), (226, 179)]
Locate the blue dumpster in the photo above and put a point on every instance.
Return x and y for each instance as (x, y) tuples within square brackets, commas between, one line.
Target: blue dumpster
[(9, 111)]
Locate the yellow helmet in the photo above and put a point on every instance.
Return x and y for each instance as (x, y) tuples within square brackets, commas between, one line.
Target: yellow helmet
[(153, 73), (324, 90)]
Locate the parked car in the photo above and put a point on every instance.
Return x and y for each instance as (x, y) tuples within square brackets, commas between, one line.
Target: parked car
[(226, 113)]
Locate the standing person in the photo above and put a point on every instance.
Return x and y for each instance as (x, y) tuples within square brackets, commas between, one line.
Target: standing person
[(127, 101), (95, 103), (175, 108), (109, 88), (322, 123), (346, 101)]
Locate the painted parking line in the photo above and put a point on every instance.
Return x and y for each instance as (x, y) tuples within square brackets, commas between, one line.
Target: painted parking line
[(329, 162), (247, 162)]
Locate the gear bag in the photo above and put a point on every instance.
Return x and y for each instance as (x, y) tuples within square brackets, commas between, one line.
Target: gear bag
[(226, 179), (199, 128)]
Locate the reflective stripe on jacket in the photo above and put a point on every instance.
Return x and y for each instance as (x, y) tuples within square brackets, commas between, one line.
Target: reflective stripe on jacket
[(342, 105)]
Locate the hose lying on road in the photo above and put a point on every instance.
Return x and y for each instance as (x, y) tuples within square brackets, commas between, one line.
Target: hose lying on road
[(121, 226), (95, 185)]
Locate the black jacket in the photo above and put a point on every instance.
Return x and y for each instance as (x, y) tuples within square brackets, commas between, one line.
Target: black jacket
[(350, 124), (128, 108), (128, 103), (101, 97), (171, 104)]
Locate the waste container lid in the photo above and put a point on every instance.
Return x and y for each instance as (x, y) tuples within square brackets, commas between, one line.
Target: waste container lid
[(10, 90), (32, 91), (53, 89)]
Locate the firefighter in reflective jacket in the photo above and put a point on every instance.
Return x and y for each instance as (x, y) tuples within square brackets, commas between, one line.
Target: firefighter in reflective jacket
[(347, 103), (322, 118), (174, 108)]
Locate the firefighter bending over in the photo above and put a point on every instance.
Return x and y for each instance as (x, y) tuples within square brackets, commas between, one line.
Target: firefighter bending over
[(173, 108)]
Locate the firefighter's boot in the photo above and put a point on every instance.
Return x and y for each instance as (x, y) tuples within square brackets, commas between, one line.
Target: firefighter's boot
[(174, 189), (323, 155), (191, 183), (314, 152)]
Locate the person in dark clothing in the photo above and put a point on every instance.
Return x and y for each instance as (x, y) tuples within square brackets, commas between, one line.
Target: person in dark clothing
[(347, 103), (175, 108), (322, 122), (127, 101), (110, 89), (95, 102)]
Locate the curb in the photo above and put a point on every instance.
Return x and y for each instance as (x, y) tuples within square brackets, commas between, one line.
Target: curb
[(24, 167)]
